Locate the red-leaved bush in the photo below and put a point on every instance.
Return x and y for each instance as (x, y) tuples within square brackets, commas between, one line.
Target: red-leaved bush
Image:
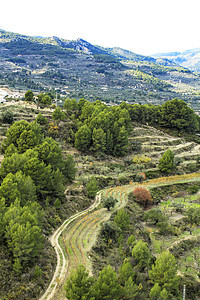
[(143, 196)]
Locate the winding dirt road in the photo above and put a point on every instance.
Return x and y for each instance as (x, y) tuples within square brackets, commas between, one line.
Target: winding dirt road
[(79, 236), (61, 267)]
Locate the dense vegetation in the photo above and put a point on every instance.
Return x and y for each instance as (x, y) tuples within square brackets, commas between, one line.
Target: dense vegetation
[(101, 129), (33, 178), (35, 172)]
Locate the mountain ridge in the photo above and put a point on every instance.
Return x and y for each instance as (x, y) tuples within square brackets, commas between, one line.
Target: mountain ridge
[(76, 69)]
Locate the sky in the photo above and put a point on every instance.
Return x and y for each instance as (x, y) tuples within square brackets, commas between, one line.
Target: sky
[(141, 26)]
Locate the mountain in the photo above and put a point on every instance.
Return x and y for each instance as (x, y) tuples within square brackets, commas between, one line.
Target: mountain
[(79, 69), (189, 59)]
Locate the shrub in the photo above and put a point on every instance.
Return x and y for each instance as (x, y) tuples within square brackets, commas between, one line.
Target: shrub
[(142, 196), (109, 202), (7, 117), (140, 177), (141, 159)]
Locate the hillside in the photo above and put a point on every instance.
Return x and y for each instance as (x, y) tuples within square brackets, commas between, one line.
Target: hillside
[(62, 160), (79, 69), (189, 59)]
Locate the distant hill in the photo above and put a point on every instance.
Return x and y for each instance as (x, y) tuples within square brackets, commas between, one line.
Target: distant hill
[(189, 59), (76, 69)]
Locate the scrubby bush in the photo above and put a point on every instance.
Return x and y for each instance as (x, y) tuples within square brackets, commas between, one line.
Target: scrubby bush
[(143, 196)]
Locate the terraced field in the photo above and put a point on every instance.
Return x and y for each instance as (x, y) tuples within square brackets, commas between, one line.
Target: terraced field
[(78, 234), (155, 142)]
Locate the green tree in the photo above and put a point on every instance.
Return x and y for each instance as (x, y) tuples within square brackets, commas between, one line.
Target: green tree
[(23, 233), (164, 272), (155, 292), (106, 286), (40, 119), (79, 285), (18, 186), (110, 232), (109, 202), (125, 271), (13, 133), (83, 138), (193, 215), (92, 187), (121, 142), (58, 115), (98, 140), (7, 117), (23, 135), (46, 100), (177, 115), (141, 254), (154, 216), (29, 96), (3, 210), (122, 219), (166, 162), (68, 168), (49, 152), (131, 290)]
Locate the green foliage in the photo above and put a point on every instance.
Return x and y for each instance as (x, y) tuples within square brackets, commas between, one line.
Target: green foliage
[(83, 138), (164, 272), (44, 99), (57, 204), (102, 129), (154, 216), (7, 117), (166, 162), (17, 267), (122, 219), (92, 187), (68, 168), (141, 254), (109, 202), (58, 115), (131, 290), (110, 232), (98, 140), (23, 234), (125, 271), (176, 114), (40, 119), (37, 272), (106, 286), (29, 96), (18, 186), (70, 106), (23, 136), (155, 292), (193, 215), (79, 285), (49, 152)]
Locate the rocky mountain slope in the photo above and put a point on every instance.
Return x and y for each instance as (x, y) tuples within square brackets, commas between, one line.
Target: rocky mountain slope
[(79, 69), (189, 59)]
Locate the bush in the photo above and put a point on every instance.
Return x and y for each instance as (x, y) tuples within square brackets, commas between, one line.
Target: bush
[(141, 159), (193, 189), (143, 196), (7, 117)]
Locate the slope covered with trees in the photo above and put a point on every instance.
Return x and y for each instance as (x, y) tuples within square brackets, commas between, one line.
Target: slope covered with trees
[(42, 183)]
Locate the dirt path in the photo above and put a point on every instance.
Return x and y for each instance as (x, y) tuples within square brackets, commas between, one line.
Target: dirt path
[(84, 229), (61, 267)]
